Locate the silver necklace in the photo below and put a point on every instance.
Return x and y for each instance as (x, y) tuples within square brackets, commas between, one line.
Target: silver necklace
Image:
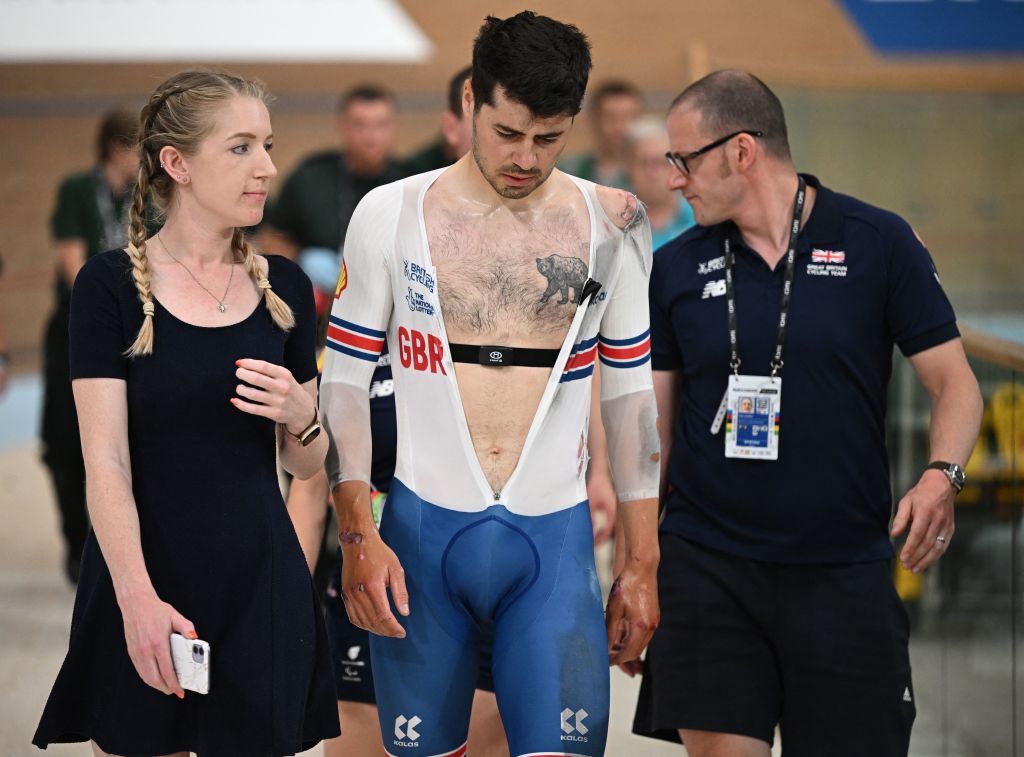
[(220, 301)]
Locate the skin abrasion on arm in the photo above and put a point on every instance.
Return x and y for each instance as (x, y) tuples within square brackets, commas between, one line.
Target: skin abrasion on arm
[(634, 448)]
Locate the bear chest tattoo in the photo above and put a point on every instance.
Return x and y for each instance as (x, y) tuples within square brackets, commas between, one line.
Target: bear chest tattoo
[(525, 283)]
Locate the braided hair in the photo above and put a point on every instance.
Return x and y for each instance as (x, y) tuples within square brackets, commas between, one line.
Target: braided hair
[(179, 114)]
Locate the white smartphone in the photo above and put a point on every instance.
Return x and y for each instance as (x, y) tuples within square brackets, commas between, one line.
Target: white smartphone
[(191, 659)]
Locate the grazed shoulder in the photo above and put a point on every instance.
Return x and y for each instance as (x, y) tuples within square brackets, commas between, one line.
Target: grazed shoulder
[(620, 206)]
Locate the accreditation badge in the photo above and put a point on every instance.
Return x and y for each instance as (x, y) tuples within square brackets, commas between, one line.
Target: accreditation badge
[(752, 406)]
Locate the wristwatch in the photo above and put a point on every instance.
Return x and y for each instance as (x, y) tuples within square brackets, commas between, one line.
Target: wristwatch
[(953, 472), (309, 433)]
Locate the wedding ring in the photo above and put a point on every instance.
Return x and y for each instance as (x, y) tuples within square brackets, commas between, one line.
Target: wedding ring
[(941, 539)]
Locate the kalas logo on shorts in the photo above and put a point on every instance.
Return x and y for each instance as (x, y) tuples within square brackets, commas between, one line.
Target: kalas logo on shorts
[(419, 352), (572, 724), (405, 731)]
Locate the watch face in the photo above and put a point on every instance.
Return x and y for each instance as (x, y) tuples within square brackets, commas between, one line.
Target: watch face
[(310, 435), (956, 476)]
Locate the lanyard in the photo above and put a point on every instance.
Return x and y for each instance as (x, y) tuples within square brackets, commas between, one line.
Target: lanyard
[(114, 229), (787, 287)]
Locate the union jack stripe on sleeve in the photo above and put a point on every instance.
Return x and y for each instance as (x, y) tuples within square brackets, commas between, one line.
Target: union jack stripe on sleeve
[(354, 340), (625, 353), (581, 361)]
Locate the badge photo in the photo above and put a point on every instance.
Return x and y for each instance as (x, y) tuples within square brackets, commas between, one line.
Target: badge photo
[(752, 417)]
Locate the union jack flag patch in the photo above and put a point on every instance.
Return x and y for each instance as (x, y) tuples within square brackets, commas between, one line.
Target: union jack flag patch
[(828, 256)]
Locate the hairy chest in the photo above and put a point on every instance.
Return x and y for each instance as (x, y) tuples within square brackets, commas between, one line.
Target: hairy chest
[(506, 278)]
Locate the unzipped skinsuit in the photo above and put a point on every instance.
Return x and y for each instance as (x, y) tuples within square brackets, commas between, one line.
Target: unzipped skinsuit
[(520, 558)]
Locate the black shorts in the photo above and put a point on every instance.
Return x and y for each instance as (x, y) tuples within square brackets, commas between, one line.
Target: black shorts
[(820, 650), (350, 650)]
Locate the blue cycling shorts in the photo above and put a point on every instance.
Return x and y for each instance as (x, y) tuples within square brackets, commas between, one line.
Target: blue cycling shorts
[(534, 578)]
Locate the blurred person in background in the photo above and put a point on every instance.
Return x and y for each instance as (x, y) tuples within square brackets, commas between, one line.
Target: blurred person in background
[(612, 107), (649, 175), (190, 534), (778, 604), (456, 132), (5, 356), (308, 219), (90, 216)]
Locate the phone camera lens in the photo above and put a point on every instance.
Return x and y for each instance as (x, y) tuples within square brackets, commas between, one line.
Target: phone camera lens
[(197, 653)]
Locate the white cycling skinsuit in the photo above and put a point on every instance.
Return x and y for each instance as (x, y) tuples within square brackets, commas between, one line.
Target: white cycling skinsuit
[(520, 558)]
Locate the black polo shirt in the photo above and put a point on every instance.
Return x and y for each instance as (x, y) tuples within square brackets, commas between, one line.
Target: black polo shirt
[(318, 198), (863, 282)]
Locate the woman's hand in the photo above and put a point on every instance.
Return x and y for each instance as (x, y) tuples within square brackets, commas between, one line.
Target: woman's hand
[(148, 625), (273, 393)]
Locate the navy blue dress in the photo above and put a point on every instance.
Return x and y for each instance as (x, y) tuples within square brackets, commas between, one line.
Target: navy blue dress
[(216, 537)]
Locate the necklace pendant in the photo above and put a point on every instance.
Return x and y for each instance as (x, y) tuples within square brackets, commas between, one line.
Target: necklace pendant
[(222, 307)]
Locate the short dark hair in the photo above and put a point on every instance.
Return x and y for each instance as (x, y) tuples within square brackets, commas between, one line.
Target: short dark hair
[(455, 90), (539, 62), (612, 88), (119, 128), (732, 100), (364, 93)]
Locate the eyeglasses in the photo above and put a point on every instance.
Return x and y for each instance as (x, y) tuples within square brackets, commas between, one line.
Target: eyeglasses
[(681, 162)]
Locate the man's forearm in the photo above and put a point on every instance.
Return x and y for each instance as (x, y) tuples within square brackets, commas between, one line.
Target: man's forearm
[(956, 418), (355, 515), (639, 521)]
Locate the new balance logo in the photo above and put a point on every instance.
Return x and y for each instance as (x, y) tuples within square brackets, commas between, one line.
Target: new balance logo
[(713, 289), (573, 722), (906, 695), (405, 731)]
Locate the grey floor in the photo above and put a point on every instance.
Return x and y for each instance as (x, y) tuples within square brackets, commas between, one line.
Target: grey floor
[(35, 608)]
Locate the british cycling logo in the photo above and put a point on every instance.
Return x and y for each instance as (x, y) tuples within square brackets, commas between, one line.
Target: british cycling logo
[(418, 274), (418, 302), (405, 731), (572, 725)]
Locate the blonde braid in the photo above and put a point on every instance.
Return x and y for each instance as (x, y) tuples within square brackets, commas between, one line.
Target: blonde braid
[(279, 310), (143, 344)]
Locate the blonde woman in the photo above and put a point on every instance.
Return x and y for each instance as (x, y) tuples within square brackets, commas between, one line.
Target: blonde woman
[(192, 362)]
